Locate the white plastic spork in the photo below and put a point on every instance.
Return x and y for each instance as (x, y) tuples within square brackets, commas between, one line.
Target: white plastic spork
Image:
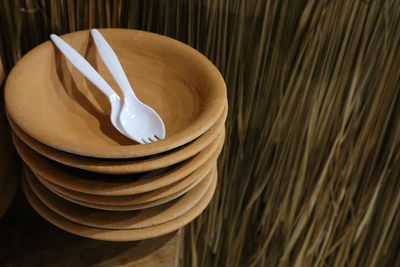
[(129, 116)]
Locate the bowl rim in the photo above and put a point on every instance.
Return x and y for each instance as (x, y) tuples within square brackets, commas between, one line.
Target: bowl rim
[(84, 184), (120, 235), (141, 198), (72, 211), (204, 121), (124, 166)]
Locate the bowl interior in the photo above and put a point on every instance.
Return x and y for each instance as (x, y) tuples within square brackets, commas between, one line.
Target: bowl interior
[(51, 101)]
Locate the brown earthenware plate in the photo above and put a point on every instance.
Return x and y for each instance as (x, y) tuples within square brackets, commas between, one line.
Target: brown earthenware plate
[(127, 207), (163, 192), (119, 235), (125, 165), (119, 220), (114, 185), (53, 103)]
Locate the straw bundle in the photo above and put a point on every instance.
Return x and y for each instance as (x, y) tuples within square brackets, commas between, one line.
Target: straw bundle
[(310, 172)]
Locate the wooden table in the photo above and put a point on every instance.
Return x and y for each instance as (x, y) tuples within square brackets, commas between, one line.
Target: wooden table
[(26, 239)]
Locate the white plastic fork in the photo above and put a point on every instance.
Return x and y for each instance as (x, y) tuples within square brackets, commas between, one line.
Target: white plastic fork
[(92, 75), (127, 116), (137, 119)]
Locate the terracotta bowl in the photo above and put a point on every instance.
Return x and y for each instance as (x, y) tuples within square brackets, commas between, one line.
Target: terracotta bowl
[(53, 103), (118, 220), (115, 185), (151, 196), (119, 235), (127, 207), (122, 166)]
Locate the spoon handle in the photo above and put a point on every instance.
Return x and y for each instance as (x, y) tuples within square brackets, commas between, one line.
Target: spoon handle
[(112, 63), (84, 67)]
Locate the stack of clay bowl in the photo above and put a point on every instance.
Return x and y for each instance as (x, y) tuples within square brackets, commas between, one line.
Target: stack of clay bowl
[(80, 173)]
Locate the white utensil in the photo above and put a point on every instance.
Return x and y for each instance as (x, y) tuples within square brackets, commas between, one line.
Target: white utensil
[(92, 75), (137, 126), (136, 118)]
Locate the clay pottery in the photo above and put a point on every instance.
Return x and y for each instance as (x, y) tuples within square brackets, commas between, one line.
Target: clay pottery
[(119, 235), (54, 104), (114, 185), (125, 166), (167, 191), (119, 220)]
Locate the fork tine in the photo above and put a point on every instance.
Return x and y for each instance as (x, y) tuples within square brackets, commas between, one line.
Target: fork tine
[(153, 139), (140, 141), (158, 138)]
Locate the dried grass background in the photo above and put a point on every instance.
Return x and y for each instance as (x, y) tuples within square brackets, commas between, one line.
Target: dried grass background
[(309, 175)]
